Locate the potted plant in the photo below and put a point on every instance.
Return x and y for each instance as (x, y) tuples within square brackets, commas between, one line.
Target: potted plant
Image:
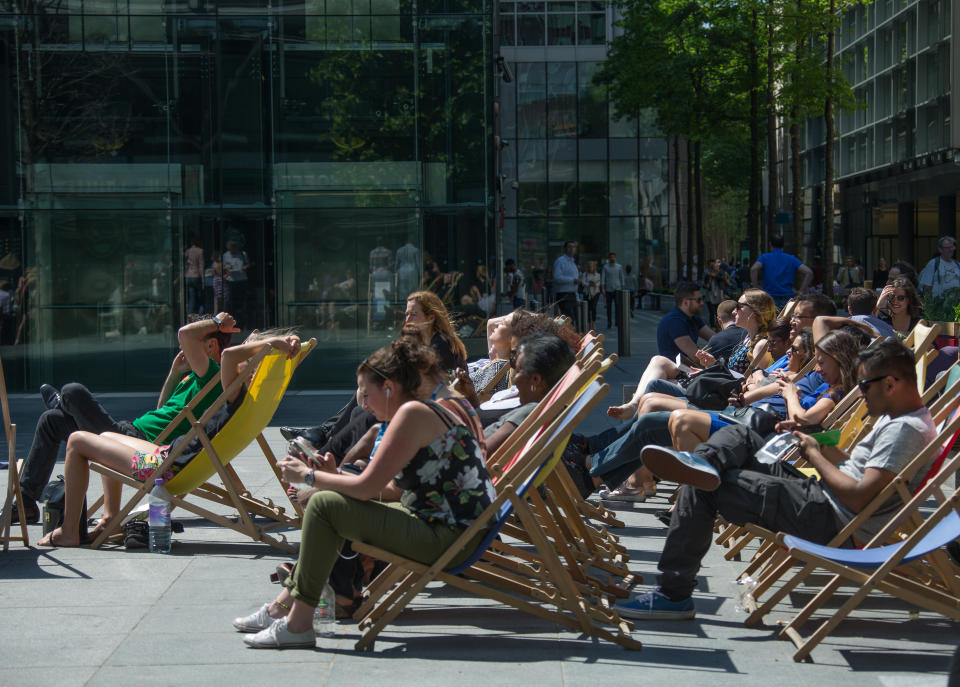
[(945, 310)]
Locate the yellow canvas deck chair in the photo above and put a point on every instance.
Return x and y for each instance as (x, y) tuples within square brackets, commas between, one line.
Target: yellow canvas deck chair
[(13, 477), (264, 393), (555, 595)]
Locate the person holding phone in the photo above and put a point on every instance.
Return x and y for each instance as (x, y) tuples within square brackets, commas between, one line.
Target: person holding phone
[(723, 476)]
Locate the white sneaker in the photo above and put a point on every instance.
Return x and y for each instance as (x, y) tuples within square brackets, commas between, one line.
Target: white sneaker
[(255, 622), (277, 636), (623, 493)]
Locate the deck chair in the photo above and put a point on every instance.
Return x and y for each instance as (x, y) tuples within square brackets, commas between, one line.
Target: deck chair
[(880, 566), (13, 477), (264, 393), (787, 310), (486, 392), (940, 447), (506, 456), (555, 597)]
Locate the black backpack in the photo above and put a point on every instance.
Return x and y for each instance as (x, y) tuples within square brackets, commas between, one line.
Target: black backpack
[(52, 499), (712, 388)]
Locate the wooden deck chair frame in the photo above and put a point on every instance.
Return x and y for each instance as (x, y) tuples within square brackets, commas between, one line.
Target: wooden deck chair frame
[(193, 480), (555, 589), (555, 401), (941, 444), (886, 577), (13, 477)]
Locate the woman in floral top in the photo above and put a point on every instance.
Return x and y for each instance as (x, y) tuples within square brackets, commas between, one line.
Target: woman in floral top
[(428, 460)]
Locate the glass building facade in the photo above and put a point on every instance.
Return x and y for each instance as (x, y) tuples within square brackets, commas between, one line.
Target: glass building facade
[(571, 169), (322, 155)]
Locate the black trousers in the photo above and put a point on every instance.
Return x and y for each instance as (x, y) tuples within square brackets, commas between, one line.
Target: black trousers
[(772, 496), (567, 303), (78, 411), (612, 315)]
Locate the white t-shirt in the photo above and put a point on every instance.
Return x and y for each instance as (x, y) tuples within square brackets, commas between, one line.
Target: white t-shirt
[(940, 275), (890, 445)]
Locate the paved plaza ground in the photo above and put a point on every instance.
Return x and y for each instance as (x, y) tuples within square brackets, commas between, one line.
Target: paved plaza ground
[(113, 617)]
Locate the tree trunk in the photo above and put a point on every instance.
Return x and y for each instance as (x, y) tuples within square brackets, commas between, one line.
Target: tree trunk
[(772, 171), (796, 195), (690, 218), (678, 251), (828, 274), (753, 206), (698, 201)]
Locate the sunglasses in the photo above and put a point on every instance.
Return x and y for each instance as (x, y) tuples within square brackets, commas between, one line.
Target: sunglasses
[(513, 358), (696, 300), (740, 306), (802, 317), (795, 349), (900, 298), (864, 383)]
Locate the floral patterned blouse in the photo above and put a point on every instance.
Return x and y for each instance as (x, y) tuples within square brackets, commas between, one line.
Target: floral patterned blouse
[(447, 481)]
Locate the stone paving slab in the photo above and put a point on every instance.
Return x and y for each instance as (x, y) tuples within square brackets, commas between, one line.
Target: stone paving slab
[(113, 617)]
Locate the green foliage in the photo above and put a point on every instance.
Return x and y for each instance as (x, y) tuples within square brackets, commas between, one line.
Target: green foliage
[(943, 308)]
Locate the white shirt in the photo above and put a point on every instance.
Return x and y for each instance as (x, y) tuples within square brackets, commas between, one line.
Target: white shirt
[(565, 273), (940, 277)]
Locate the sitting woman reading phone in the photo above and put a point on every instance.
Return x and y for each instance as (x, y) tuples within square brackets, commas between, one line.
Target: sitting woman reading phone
[(427, 456)]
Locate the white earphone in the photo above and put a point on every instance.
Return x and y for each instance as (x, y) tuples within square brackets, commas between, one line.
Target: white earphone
[(388, 394)]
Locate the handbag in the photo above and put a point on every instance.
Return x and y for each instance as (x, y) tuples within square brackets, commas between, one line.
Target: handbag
[(760, 420), (710, 389), (52, 498)]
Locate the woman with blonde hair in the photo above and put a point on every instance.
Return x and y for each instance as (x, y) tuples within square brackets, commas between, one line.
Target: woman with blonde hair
[(427, 312), (755, 312)]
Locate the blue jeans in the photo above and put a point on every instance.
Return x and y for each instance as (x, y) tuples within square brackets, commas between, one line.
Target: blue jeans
[(619, 460), (665, 386)]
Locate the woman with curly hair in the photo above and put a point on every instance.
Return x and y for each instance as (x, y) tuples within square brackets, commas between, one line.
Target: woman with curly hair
[(900, 306), (426, 310), (427, 458)]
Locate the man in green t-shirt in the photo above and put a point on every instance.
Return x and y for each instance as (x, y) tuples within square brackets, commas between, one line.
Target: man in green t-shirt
[(75, 408)]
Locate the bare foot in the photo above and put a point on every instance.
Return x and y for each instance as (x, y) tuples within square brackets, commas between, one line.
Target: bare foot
[(624, 412), (57, 538)]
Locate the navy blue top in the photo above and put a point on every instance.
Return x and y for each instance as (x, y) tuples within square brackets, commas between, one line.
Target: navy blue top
[(810, 388), (675, 324)]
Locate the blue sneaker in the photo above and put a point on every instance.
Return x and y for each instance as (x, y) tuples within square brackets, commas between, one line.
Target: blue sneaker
[(655, 606), (682, 467)]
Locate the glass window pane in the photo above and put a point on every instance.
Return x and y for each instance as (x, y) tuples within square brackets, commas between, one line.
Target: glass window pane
[(562, 102), (593, 177), (531, 99), (560, 29), (530, 29), (562, 173), (593, 102), (591, 29)]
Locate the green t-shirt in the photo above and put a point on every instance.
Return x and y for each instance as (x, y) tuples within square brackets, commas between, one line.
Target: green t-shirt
[(154, 422)]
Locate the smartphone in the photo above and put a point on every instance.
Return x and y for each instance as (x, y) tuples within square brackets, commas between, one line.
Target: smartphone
[(810, 429)]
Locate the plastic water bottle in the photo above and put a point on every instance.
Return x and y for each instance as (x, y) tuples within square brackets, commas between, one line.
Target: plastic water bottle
[(324, 616), (159, 518), (746, 602)]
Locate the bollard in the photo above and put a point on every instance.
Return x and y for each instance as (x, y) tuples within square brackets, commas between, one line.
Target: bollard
[(623, 321), (581, 316)]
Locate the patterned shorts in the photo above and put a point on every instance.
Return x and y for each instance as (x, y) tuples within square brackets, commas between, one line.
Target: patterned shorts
[(145, 464)]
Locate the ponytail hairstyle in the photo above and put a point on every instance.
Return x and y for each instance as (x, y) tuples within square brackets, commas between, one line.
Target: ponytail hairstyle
[(404, 361)]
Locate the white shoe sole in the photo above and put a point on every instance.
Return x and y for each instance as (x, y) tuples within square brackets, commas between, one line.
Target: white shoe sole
[(665, 464)]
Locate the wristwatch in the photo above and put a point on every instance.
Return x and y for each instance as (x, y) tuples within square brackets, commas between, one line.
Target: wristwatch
[(308, 480), (217, 321)]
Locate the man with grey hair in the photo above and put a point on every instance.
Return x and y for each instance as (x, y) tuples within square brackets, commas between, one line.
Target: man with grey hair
[(942, 272)]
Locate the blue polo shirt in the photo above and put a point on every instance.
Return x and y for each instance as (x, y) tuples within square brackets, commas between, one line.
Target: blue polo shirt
[(675, 324), (779, 269)]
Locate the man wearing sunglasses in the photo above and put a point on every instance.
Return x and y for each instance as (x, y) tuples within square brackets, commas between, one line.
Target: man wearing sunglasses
[(722, 475), (679, 329)]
